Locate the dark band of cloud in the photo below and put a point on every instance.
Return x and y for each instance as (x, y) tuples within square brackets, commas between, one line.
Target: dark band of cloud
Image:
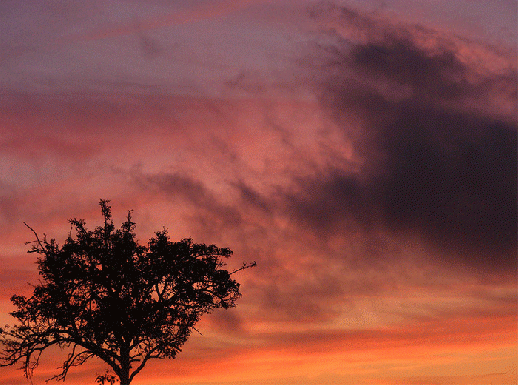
[(437, 162)]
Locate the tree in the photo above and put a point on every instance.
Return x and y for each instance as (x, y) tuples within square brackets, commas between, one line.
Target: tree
[(104, 295)]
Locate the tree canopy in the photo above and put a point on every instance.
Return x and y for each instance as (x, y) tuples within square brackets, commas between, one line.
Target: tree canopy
[(102, 294)]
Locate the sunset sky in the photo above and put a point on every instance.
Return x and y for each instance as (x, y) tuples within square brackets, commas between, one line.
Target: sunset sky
[(362, 152)]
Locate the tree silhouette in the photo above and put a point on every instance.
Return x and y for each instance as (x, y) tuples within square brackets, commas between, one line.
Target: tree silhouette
[(104, 295)]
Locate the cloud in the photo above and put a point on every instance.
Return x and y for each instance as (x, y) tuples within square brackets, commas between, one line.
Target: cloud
[(384, 167), (209, 214), (435, 162), (192, 14)]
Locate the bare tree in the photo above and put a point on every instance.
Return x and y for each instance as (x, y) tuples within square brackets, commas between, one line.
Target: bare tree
[(104, 295)]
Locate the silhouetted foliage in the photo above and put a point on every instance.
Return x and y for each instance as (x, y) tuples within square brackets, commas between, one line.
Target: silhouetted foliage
[(104, 295), (106, 378)]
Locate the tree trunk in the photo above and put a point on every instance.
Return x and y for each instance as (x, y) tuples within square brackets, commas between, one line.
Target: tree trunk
[(124, 379), (124, 375)]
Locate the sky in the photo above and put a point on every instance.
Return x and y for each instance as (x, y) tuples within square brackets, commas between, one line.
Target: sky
[(363, 153)]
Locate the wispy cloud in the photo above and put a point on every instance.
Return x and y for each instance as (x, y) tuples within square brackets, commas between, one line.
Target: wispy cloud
[(186, 15)]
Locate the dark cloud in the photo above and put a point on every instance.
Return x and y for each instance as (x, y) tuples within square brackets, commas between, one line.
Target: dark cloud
[(187, 188), (398, 59), (210, 214), (456, 185), (178, 185), (437, 163), (251, 198)]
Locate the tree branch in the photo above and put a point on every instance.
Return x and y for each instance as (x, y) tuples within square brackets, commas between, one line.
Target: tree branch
[(245, 266)]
